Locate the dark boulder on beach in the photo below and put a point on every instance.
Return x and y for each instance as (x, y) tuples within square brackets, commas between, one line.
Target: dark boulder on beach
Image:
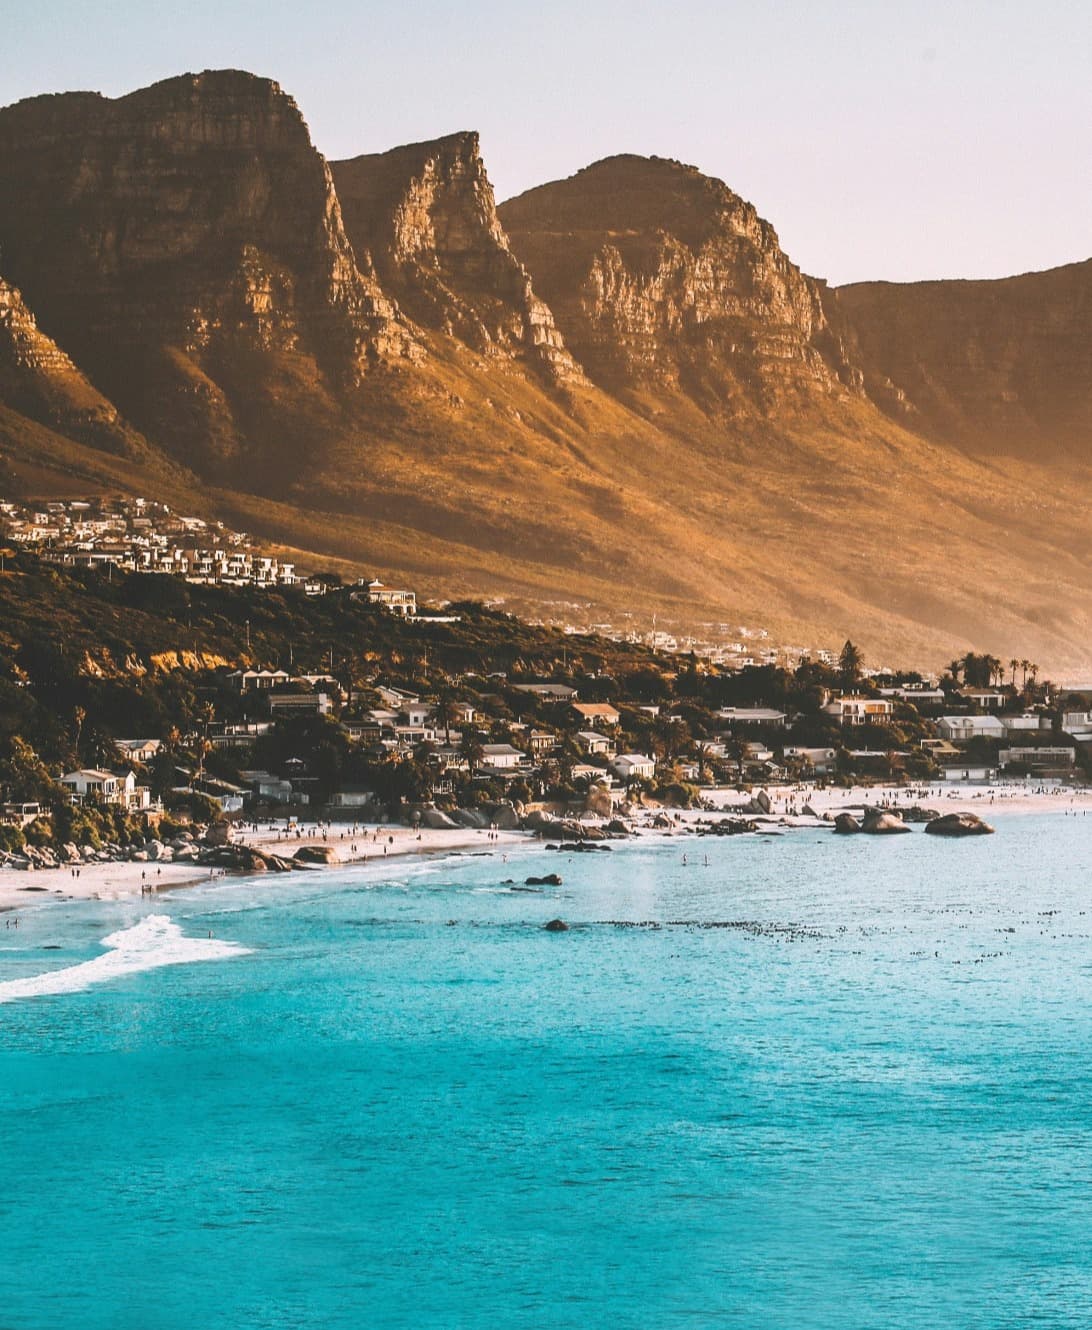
[(556, 926), (845, 824), (958, 824)]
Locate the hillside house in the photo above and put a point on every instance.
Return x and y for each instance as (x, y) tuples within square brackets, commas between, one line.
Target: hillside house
[(299, 704), (398, 602), (765, 716), (861, 710), (596, 713), (961, 729), (633, 766), (501, 757), (594, 743)]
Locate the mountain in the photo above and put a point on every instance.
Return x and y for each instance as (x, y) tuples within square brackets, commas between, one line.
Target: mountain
[(426, 216), (663, 279), (999, 367), (614, 392), (185, 245)]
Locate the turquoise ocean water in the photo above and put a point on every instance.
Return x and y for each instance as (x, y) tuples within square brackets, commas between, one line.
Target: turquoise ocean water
[(844, 1083)]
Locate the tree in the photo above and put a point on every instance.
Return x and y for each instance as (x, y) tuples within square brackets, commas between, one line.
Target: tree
[(25, 776), (445, 714), (472, 749), (850, 661)]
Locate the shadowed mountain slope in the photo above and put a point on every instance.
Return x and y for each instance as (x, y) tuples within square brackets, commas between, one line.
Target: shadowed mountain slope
[(995, 366)]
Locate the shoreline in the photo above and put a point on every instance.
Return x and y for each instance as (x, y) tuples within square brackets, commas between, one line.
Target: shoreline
[(372, 846), (122, 880)]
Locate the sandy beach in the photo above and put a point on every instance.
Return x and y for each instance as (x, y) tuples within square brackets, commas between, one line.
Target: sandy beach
[(375, 844), (371, 845)]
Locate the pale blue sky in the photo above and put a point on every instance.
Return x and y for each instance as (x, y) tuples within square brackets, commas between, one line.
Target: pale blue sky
[(891, 139)]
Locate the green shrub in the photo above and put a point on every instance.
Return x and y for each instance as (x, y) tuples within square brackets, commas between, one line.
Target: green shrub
[(12, 838)]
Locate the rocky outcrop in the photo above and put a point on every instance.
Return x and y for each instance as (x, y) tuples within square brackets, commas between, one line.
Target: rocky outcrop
[(426, 216), (879, 822), (958, 824), (995, 365), (182, 237), (661, 277)]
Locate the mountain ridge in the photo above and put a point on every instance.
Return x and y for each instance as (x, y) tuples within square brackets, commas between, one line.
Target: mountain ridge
[(619, 391)]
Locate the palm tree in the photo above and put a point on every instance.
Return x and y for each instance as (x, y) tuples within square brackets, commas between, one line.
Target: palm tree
[(1012, 666), (1025, 665), (445, 714), (79, 715), (471, 748), (849, 662)]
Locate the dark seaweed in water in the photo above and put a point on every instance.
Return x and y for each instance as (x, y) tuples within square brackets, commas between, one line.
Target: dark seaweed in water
[(755, 927)]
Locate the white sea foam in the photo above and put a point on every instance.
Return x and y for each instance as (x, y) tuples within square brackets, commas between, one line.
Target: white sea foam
[(152, 943)]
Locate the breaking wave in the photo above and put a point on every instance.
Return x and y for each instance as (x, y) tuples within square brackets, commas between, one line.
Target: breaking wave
[(149, 945)]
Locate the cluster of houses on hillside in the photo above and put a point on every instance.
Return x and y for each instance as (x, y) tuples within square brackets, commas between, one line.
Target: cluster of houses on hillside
[(588, 743), (139, 536)]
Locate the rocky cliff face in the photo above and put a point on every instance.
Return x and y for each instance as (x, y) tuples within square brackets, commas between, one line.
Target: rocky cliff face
[(661, 277), (426, 215), (993, 365), (181, 228)]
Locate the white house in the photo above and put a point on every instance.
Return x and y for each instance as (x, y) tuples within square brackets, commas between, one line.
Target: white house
[(754, 716), (107, 787), (861, 710), (591, 742), (1030, 720), (989, 699), (633, 766), (247, 680), (139, 750), (502, 757), (960, 729), (398, 602), (821, 760)]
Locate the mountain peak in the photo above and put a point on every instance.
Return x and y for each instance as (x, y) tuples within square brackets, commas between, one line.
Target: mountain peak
[(426, 215)]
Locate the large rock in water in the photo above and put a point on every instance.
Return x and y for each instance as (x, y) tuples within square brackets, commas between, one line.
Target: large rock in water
[(958, 824), (845, 824), (878, 822)]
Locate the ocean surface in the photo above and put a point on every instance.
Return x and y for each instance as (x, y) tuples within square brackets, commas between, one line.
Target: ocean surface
[(795, 1082)]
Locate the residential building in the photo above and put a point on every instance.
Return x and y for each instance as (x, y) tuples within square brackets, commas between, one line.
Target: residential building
[(853, 710), (961, 729), (633, 766), (596, 713), (1051, 761), (767, 716), (592, 742), (548, 692), (398, 602), (295, 704)]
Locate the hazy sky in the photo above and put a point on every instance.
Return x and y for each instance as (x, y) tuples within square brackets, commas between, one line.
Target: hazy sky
[(888, 139)]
